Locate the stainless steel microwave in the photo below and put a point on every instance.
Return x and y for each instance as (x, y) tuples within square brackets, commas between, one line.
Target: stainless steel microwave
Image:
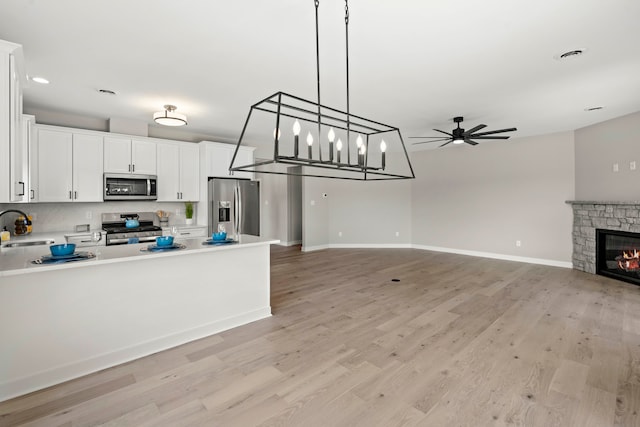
[(124, 186)]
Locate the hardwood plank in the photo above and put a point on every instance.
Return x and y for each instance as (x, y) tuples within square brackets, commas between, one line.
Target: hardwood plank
[(458, 341)]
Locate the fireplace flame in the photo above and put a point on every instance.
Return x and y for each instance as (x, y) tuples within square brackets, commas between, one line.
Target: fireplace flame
[(629, 261)]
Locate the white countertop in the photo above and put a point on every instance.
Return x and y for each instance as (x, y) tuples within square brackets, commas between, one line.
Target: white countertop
[(14, 261)]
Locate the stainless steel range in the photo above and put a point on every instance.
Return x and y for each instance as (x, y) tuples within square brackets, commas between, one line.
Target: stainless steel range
[(125, 228)]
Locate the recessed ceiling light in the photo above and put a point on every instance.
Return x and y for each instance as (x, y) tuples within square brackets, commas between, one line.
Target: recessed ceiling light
[(570, 54), (593, 108), (106, 92), (40, 80)]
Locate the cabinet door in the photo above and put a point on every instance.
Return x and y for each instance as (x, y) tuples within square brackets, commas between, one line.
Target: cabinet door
[(218, 159), (5, 129), (18, 143), (34, 191), (117, 155), (87, 168), (190, 172), (143, 157), (55, 166), (244, 157), (168, 172)]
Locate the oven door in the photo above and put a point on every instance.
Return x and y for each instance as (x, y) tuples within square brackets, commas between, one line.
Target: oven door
[(130, 187)]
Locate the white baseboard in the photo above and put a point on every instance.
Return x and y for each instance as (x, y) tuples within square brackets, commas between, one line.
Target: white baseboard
[(291, 243), (314, 248), (370, 245), (57, 375), (541, 261)]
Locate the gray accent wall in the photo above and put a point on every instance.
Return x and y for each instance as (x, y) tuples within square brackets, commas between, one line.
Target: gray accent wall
[(487, 197), (598, 148), (370, 213)]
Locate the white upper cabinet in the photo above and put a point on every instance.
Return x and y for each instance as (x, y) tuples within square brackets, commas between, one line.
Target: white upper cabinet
[(178, 172), (218, 157), (126, 155), (69, 167), (12, 152), (87, 168)]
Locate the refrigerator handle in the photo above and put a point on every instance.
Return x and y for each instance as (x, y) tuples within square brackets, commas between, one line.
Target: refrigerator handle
[(240, 207)]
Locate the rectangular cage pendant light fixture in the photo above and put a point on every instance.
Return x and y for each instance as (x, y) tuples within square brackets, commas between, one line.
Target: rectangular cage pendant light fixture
[(310, 139), (332, 144)]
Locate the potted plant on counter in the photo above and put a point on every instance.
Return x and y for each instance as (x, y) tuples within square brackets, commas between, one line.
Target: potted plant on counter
[(188, 212)]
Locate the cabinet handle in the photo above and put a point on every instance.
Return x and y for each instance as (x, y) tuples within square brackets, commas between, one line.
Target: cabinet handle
[(33, 194), (75, 194), (21, 183), (129, 168), (133, 167), (70, 195), (184, 234)]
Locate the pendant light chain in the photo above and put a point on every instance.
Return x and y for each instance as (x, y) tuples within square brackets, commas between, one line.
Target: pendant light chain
[(317, 3), (346, 27)]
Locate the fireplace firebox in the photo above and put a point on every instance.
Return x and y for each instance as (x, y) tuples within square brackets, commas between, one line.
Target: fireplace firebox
[(618, 255)]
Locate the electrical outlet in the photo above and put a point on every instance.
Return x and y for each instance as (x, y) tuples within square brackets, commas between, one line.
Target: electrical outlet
[(266, 202), (339, 233), (632, 165), (313, 203), (88, 215), (616, 167), (518, 243), (397, 234)]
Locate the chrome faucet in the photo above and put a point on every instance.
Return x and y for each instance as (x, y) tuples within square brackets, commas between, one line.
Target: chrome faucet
[(27, 221)]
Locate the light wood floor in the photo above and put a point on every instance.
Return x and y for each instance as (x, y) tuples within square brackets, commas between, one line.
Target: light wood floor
[(458, 341)]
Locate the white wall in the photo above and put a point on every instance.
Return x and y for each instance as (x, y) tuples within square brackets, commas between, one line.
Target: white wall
[(597, 149), (274, 211), (484, 198), (370, 213), (315, 213)]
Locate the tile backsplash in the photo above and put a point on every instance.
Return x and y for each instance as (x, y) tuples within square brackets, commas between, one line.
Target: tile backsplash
[(65, 216)]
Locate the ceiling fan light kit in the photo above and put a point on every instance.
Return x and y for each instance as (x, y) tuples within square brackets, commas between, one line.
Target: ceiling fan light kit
[(340, 145), (461, 136)]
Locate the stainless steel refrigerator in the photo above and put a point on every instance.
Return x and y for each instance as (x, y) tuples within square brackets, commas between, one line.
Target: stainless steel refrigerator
[(234, 203)]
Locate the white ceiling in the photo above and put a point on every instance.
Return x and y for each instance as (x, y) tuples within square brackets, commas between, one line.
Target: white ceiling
[(414, 64)]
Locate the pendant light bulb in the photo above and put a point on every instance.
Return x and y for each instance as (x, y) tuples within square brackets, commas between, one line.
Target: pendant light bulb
[(363, 149), (383, 146), (309, 139), (296, 128), (359, 141), (339, 145), (331, 135)]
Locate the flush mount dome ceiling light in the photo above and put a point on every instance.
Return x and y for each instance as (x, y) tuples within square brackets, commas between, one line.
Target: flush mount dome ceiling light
[(169, 117), (40, 80)]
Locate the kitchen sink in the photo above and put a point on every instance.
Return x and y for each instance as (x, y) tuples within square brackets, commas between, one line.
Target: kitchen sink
[(30, 243)]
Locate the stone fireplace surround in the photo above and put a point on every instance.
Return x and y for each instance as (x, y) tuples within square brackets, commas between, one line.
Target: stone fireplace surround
[(589, 215)]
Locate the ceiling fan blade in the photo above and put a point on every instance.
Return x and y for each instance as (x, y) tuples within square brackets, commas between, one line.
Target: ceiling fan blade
[(475, 129), (435, 140), (449, 142), (423, 137), (446, 133), (489, 137), (489, 132), (470, 142)]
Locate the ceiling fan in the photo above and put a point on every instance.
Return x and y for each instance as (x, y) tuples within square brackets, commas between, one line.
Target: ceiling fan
[(460, 136)]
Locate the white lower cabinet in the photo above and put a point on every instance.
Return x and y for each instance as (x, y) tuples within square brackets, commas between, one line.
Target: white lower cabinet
[(178, 172), (187, 231), (69, 167)]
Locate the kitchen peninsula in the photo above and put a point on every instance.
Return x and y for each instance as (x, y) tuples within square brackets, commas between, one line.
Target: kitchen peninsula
[(62, 321)]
